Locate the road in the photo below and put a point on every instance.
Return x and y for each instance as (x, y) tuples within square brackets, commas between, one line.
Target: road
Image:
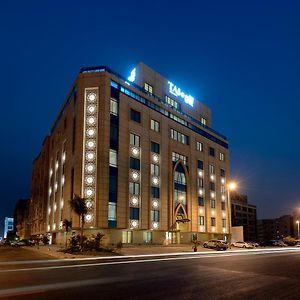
[(262, 274)]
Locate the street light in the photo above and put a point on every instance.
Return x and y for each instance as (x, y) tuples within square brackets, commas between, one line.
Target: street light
[(231, 186), (297, 222)]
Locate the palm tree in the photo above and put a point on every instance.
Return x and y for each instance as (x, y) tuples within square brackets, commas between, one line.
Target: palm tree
[(67, 225), (79, 206)]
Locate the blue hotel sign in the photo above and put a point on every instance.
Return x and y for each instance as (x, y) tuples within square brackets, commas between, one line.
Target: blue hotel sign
[(173, 89)]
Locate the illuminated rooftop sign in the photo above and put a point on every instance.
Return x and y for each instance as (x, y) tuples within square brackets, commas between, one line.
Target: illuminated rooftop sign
[(132, 76), (173, 89)]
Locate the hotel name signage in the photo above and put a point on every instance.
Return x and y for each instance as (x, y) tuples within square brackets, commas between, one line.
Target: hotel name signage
[(176, 91)]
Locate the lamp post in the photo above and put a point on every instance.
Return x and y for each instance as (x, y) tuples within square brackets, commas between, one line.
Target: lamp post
[(231, 186), (297, 222)]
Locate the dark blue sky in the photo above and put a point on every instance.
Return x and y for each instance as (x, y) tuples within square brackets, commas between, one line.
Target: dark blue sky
[(241, 58)]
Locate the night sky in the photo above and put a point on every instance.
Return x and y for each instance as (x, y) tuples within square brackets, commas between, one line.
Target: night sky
[(241, 58)]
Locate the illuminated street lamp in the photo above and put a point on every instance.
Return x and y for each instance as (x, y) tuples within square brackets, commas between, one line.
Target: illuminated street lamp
[(231, 186), (297, 222)]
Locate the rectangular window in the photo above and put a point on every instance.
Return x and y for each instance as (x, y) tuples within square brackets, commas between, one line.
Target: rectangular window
[(134, 213), (222, 189), (114, 107), (200, 201), (223, 222), (155, 147), (222, 173), (222, 156), (211, 151), (211, 169), (176, 156), (113, 184), (199, 146), (154, 170), (172, 102), (127, 237), (213, 221), (200, 164), (134, 163), (223, 205), (155, 215), (178, 136), (148, 88), (212, 203), (134, 140), (135, 115), (201, 220), (155, 192), (212, 186), (113, 158), (200, 182), (203, 121), (112, 211), (134, 188), (155, 125)]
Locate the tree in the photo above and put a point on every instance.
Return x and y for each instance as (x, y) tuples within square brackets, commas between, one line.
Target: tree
[(78, 205), (67, 225)]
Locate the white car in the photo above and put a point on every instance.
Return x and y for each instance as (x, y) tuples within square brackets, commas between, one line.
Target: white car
[(242, 245)]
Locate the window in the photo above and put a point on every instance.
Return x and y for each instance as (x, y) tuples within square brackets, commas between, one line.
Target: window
[(134, 213), (176, 156), (155, 192), (113, 184), (199, 146), (114, 107), (201, 220), (200, 182), (155, 125), (180, 137), (212, 186), (154, 147), (134, 140), (113, 158), (179, 177), (211, 151), (154, 215), (203, 121), (200, 164), (112, 211), (212, 203), (211, 169), (222, 156), (222, 172), (223, 205), (134, 163), (172, 102), (148, 88), (127, 237), (213, 221), (222, 189), (200, 201), (134, 188), (154, 170), (223, 222), (135, 115)]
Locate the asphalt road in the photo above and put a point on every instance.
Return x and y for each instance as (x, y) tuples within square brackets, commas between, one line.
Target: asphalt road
[(215, 275)]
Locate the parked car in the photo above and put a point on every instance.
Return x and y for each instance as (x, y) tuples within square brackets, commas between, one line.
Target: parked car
[(216, 244), (254, 244), (242, 245), (273, 243)]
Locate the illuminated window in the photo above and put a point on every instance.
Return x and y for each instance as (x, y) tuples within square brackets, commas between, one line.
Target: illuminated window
[(222, 156), (213, 221), (172, 102), (176, 156), (223, 222), (203, 121), (212, 169), (154, 215), (134, 140), (113, 158), (112, 211), (155, 125), (199, 146), (134, 188), (114, 107), (212, 203), (148, 88), (201, 220), (154, 170), (178, 136)]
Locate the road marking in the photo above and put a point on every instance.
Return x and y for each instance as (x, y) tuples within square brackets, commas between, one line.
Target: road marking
[(188, 256)]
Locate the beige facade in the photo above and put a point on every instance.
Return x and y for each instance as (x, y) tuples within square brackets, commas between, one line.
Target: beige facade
[(150, 167)]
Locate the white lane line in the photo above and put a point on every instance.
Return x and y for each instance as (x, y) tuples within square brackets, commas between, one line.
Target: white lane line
[(286, 249), (142, 261)]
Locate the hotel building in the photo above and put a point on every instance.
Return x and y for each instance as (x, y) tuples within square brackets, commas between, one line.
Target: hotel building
[(143, 154)]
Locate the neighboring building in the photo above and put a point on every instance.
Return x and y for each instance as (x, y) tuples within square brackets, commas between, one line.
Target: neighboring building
[(274, 229), (21, 219), (143, 155), (8, 226), (39, 191), (244, 214)]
